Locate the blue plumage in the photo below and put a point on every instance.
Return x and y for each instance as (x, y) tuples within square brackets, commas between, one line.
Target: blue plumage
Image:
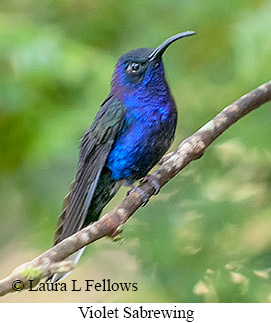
[(150, 120)]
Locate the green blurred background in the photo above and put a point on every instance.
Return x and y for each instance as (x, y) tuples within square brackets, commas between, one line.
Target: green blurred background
[(207, 236)]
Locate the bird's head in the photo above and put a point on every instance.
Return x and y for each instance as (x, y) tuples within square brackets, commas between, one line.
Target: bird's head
[(142, 67)]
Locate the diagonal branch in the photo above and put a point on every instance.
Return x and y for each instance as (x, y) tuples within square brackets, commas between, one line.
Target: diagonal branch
[(190, 149)]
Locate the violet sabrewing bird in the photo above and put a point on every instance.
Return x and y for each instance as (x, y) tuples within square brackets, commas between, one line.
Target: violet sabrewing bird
[(133, 129)]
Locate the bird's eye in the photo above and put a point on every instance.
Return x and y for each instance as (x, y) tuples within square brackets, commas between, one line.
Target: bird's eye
[(133, 67)]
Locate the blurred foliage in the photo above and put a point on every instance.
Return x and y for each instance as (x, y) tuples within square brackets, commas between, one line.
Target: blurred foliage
[(206, 237)]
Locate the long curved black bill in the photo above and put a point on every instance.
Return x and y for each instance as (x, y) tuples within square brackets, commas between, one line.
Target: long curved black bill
[(159, 51)]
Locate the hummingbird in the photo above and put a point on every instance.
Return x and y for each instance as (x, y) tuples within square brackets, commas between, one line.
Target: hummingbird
[(133, 129)]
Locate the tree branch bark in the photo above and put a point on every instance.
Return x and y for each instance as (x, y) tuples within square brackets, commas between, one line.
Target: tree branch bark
[(190, 149)]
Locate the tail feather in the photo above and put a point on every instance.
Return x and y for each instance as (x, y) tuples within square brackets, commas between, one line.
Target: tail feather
[(105, 190), (74, 258), (62, 215)]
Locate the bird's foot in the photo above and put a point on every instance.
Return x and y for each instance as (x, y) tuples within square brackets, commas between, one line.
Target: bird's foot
[(152, 180), (117, 236), (144, 195)]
